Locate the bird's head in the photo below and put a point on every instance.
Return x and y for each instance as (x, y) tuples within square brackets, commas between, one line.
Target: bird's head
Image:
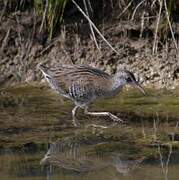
[(126, 77)]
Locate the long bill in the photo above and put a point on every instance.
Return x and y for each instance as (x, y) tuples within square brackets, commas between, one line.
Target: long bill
[(136, 84)]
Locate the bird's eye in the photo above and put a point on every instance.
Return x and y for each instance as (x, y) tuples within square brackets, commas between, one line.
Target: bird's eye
[(129, 79)]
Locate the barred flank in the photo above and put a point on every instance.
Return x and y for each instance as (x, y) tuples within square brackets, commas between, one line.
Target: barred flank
[(78, 82)]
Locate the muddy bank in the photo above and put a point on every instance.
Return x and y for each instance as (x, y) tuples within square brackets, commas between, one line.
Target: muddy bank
[(36, 132), (30, 116), (23, 47)]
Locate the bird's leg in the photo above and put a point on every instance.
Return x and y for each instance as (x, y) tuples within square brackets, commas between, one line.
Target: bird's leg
[(112, 116), (75, 122)]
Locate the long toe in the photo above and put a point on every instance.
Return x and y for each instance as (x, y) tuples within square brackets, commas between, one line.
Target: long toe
[(115, 118), (75, 122)]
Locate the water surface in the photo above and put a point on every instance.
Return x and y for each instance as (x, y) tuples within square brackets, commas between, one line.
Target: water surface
[(38, 140)]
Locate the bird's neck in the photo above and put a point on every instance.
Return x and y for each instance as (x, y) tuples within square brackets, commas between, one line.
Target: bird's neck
[(118, 83), (116, 86)]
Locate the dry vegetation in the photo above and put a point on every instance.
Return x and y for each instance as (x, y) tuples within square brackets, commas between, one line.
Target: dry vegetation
[(139, 34)]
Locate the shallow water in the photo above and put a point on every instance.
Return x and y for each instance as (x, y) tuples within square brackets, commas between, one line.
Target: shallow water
[(38, 140)]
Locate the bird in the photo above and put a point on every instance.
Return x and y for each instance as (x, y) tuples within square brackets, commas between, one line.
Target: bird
[(84, 84)]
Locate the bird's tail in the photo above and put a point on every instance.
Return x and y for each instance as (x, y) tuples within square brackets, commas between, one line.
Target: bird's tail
[(45, 70), (43, 67)]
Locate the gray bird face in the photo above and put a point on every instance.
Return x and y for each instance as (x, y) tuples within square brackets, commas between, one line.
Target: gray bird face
[(128, 78)]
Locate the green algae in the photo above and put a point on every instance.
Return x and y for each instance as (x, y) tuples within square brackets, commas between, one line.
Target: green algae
[(32, 117), (37, 114)]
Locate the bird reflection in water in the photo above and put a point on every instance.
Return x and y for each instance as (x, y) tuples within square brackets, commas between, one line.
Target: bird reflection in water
[(70, 156)]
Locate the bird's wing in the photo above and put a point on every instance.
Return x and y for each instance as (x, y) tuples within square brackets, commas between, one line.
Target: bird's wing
[(80, 80)]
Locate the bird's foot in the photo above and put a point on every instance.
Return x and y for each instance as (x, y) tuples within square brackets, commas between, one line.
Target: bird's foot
[(75, 122), (115, 118), (97, 126)]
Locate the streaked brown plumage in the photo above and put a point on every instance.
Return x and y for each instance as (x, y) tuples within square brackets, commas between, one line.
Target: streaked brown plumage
[(83, 84)]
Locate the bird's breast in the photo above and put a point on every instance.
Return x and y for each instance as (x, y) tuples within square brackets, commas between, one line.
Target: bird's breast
[(107, 93)]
